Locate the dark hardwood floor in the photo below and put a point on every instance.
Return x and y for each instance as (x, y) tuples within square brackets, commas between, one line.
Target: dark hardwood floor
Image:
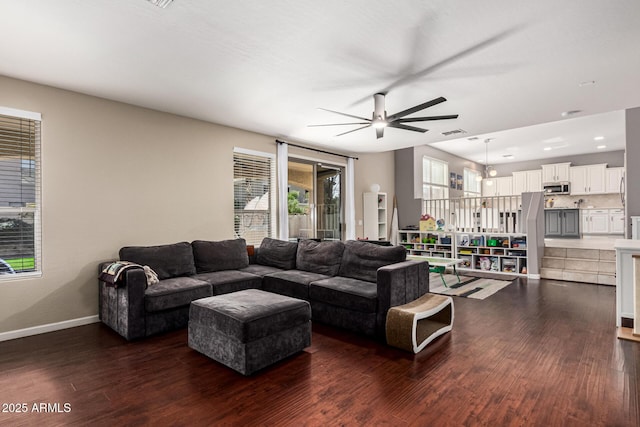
[(538, 353)]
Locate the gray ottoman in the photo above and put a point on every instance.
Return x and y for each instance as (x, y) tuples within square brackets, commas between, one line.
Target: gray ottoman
[(249, 330)]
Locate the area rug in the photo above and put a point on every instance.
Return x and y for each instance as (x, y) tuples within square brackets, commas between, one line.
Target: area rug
[(469, 287)]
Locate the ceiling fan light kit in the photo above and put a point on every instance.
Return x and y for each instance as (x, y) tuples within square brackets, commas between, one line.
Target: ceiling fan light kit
[(380, 120)]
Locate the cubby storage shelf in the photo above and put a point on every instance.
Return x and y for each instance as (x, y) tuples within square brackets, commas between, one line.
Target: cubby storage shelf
[(492, 252), (427, 243)]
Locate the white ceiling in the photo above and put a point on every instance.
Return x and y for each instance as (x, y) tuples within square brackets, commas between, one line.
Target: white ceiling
[(266, 66)]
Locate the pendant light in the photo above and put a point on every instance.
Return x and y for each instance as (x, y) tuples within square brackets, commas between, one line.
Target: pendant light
[(488, 170)]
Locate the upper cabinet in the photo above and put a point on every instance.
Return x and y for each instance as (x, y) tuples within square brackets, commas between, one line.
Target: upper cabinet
[(502, 186), (527, 181), (613, 179), (588, 179), (556, 172)]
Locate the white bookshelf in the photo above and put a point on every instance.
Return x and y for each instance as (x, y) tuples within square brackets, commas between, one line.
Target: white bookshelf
[(375, 216), (491, 252)]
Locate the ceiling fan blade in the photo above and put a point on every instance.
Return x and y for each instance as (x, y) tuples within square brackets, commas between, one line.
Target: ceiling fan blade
[(412, 110), (353, 130), (379, 133), (453, 58), (339, 124), (405, 127), (345, 114), (424, 119)]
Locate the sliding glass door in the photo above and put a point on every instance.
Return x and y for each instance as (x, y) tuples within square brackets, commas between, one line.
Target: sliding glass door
[(315, 200)]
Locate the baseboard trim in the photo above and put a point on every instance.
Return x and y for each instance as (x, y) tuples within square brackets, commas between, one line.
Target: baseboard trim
[(49, 327), (534, 276)]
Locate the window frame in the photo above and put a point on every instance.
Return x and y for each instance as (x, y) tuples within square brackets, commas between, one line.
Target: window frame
[(444, 186), (470, 177), (10, 114)]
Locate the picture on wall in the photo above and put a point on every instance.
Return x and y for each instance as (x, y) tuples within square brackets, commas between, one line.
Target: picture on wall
[(452, 180), (459, 182)]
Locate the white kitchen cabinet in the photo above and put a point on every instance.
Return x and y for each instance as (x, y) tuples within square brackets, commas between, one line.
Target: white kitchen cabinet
[(595, 221), (504, 186), (588, 179), (613, 177), (501, 186), (534, 180), (527, 181), (616, 221), (520, 184), (556, 172), (489, 187)]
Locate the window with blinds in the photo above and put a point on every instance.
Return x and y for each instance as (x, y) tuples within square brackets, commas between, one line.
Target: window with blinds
[(254, 204), (19, 193)]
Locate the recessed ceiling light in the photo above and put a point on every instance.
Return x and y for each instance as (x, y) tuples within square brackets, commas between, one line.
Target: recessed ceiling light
[(570, 113), (160, 3), (598, 138), (547, 148), (600, 147)]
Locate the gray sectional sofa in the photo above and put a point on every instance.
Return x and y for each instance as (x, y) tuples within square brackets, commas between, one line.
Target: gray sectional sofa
[(349, 284)]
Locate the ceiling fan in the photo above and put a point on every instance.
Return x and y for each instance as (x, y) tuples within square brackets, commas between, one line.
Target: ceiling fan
[(380, 120)]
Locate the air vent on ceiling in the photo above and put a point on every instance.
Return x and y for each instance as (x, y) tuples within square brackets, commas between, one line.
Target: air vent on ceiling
[(454, 132), (161, 3)]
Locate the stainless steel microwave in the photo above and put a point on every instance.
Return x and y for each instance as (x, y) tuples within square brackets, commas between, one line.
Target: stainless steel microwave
[(557, 188)]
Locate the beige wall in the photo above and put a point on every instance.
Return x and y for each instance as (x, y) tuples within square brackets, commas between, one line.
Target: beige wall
[(374, 169), (114, 175)]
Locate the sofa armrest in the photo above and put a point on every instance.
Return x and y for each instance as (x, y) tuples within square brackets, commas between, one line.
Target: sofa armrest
[(398, 284), (122, 308)]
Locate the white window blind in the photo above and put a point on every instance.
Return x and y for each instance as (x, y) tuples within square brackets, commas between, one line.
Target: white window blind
[(254, 183), (20, 237)]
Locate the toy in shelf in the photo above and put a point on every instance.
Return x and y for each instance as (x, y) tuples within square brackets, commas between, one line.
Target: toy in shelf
[(440, 224), (489, 264), (427, 223)]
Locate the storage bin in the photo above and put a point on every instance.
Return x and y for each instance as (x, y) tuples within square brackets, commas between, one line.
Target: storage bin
[(492, 242), (446, 240)]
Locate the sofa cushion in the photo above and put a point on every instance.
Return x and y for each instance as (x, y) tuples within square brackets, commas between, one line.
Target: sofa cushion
[(277, 253), (167, 261), (221, 255), (226, 281), (260, 270), (354, 294), (319, 257), (293, 283), (175, 292), (361, 260)]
